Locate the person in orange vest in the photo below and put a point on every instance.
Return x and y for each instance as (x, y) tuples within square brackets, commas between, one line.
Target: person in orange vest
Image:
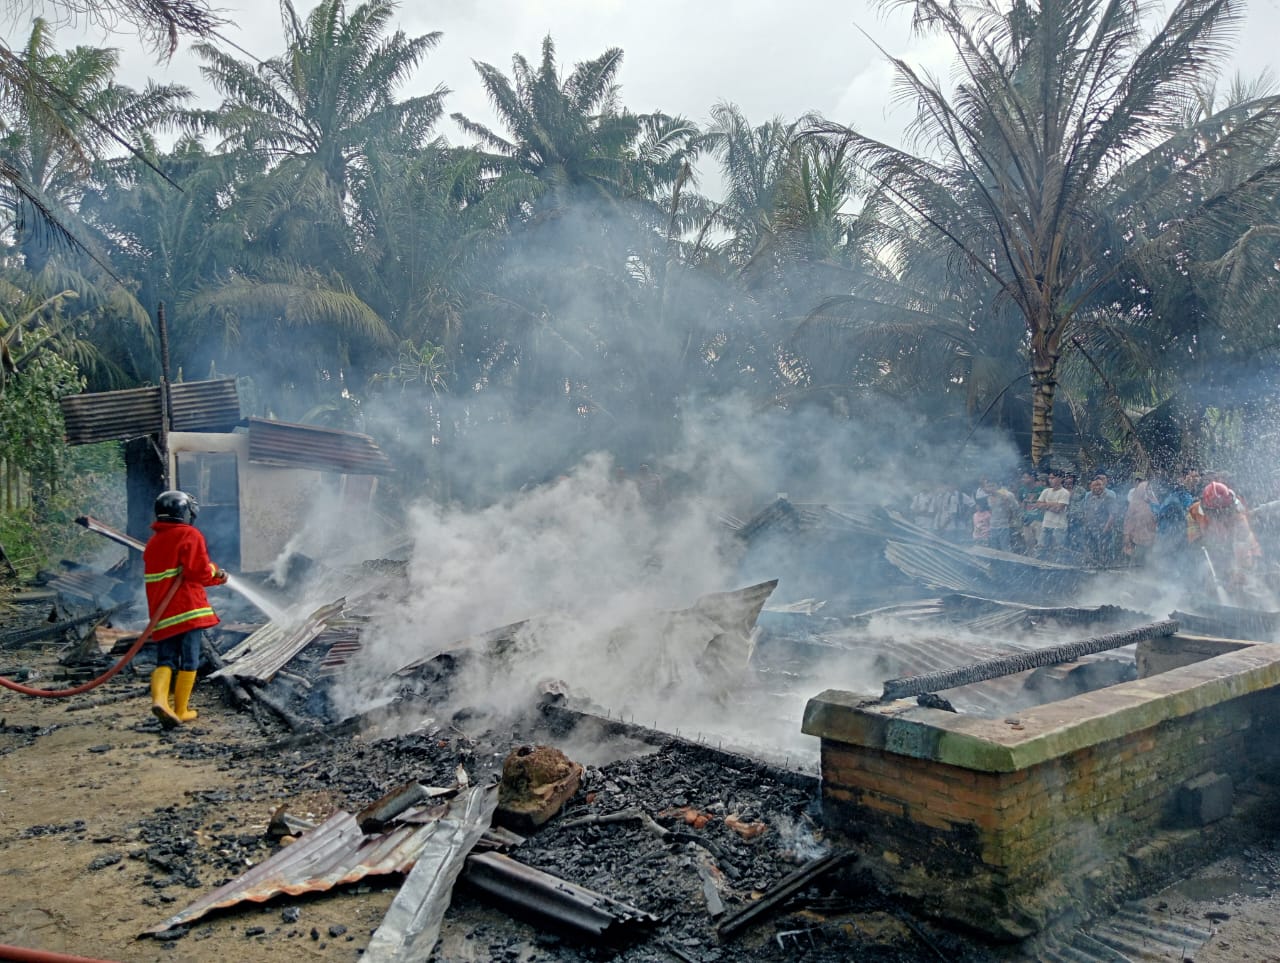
[(177, 550), (1225, 534)]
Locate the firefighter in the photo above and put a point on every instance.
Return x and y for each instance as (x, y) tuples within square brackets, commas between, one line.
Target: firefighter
[(178, 550), (1225, 533)]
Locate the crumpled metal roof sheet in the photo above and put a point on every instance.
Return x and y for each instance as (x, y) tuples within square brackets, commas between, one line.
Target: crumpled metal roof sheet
[(265, 652), (333, 853), (411, 926), (91, 586), (135, 412), (288, 445)]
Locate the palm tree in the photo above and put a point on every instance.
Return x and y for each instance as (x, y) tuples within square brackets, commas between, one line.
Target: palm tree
[(1020, 167), (172, 244), (757, 163), (50, 147), (313, 119), (314, 111), (570, 136), (25, 86), (1190, 318), (593, 194), (160, 22)]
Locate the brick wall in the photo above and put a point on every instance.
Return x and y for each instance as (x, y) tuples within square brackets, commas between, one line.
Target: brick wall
[(1007, 824)]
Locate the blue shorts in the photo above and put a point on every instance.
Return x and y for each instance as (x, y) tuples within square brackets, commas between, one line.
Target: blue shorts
[(180, 652)]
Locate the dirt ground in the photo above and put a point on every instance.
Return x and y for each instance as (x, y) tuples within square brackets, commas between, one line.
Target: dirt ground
[(73, 788), (85, 871)]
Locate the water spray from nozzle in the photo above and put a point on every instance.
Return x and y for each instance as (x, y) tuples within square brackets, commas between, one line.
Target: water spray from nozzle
[(273, 612)]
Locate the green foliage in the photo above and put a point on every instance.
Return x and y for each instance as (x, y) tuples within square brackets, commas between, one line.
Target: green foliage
[(46, 483), (30, 419), (92, 482)]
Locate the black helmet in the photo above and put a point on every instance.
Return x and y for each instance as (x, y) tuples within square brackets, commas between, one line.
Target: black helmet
[(176, 506)]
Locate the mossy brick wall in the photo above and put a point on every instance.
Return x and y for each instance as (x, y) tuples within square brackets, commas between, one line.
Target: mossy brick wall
[(1007, 845)]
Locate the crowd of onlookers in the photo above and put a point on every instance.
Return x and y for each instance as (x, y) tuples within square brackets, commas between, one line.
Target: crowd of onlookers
[(1057, 515)]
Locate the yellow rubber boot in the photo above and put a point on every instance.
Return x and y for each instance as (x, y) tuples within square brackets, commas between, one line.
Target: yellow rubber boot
[(182, 694), (160, 678)]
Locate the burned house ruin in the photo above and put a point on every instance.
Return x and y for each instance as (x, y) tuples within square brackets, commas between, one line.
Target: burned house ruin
[(1013, 769), (254, 478)]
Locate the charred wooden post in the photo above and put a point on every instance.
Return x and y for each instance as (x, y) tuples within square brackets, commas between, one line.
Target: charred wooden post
[(290, 719), (235, 692), (1021, 661), (165, 412)]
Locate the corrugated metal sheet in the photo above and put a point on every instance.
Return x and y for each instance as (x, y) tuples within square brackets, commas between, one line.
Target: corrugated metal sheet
[(531, 891), (1143, 930), (135, 412), (89, 585), (411, 927), (323, 449), (266, 651), (333, 853)]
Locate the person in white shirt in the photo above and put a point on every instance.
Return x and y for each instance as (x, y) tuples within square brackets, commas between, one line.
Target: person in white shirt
[(1054, 501)]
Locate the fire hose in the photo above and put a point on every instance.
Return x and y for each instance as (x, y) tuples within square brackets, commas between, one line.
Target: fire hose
[(20, 954), (124, 659)]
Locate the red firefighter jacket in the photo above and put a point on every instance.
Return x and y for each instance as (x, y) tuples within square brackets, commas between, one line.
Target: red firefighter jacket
[(175, 547)]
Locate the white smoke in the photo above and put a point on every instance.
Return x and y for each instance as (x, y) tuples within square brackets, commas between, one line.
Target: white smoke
[(601, 566)]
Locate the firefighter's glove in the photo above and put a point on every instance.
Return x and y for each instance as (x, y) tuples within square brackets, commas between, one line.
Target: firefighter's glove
[(220, 576)]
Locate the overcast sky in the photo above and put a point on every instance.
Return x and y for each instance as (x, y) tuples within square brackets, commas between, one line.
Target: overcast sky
[(769, 57)]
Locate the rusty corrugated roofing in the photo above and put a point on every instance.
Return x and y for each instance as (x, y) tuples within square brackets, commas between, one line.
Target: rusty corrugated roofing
[(135, 412), (266, 651), (333, 853), (306, 446)]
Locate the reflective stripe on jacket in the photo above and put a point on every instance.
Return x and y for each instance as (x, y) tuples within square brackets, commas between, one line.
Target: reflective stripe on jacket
[(178, 550)]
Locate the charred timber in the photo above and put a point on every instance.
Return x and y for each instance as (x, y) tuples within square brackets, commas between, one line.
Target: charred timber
[(785, 889), (234, 691), (12, 640), (102, 528), (1022, 661), (563, 719), (295, 722)]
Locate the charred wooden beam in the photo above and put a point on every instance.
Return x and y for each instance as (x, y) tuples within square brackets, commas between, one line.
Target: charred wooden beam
[(108, 698), (54, 629), (102, 528), (1021, 661), (234, 691), (786, 888), (295, 722)]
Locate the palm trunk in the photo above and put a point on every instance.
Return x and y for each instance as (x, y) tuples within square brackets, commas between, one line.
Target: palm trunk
[(1043, 387), (1044, 383)]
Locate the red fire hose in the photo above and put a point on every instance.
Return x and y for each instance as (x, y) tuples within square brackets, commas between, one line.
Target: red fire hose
[(22, 955), (124, 660)]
